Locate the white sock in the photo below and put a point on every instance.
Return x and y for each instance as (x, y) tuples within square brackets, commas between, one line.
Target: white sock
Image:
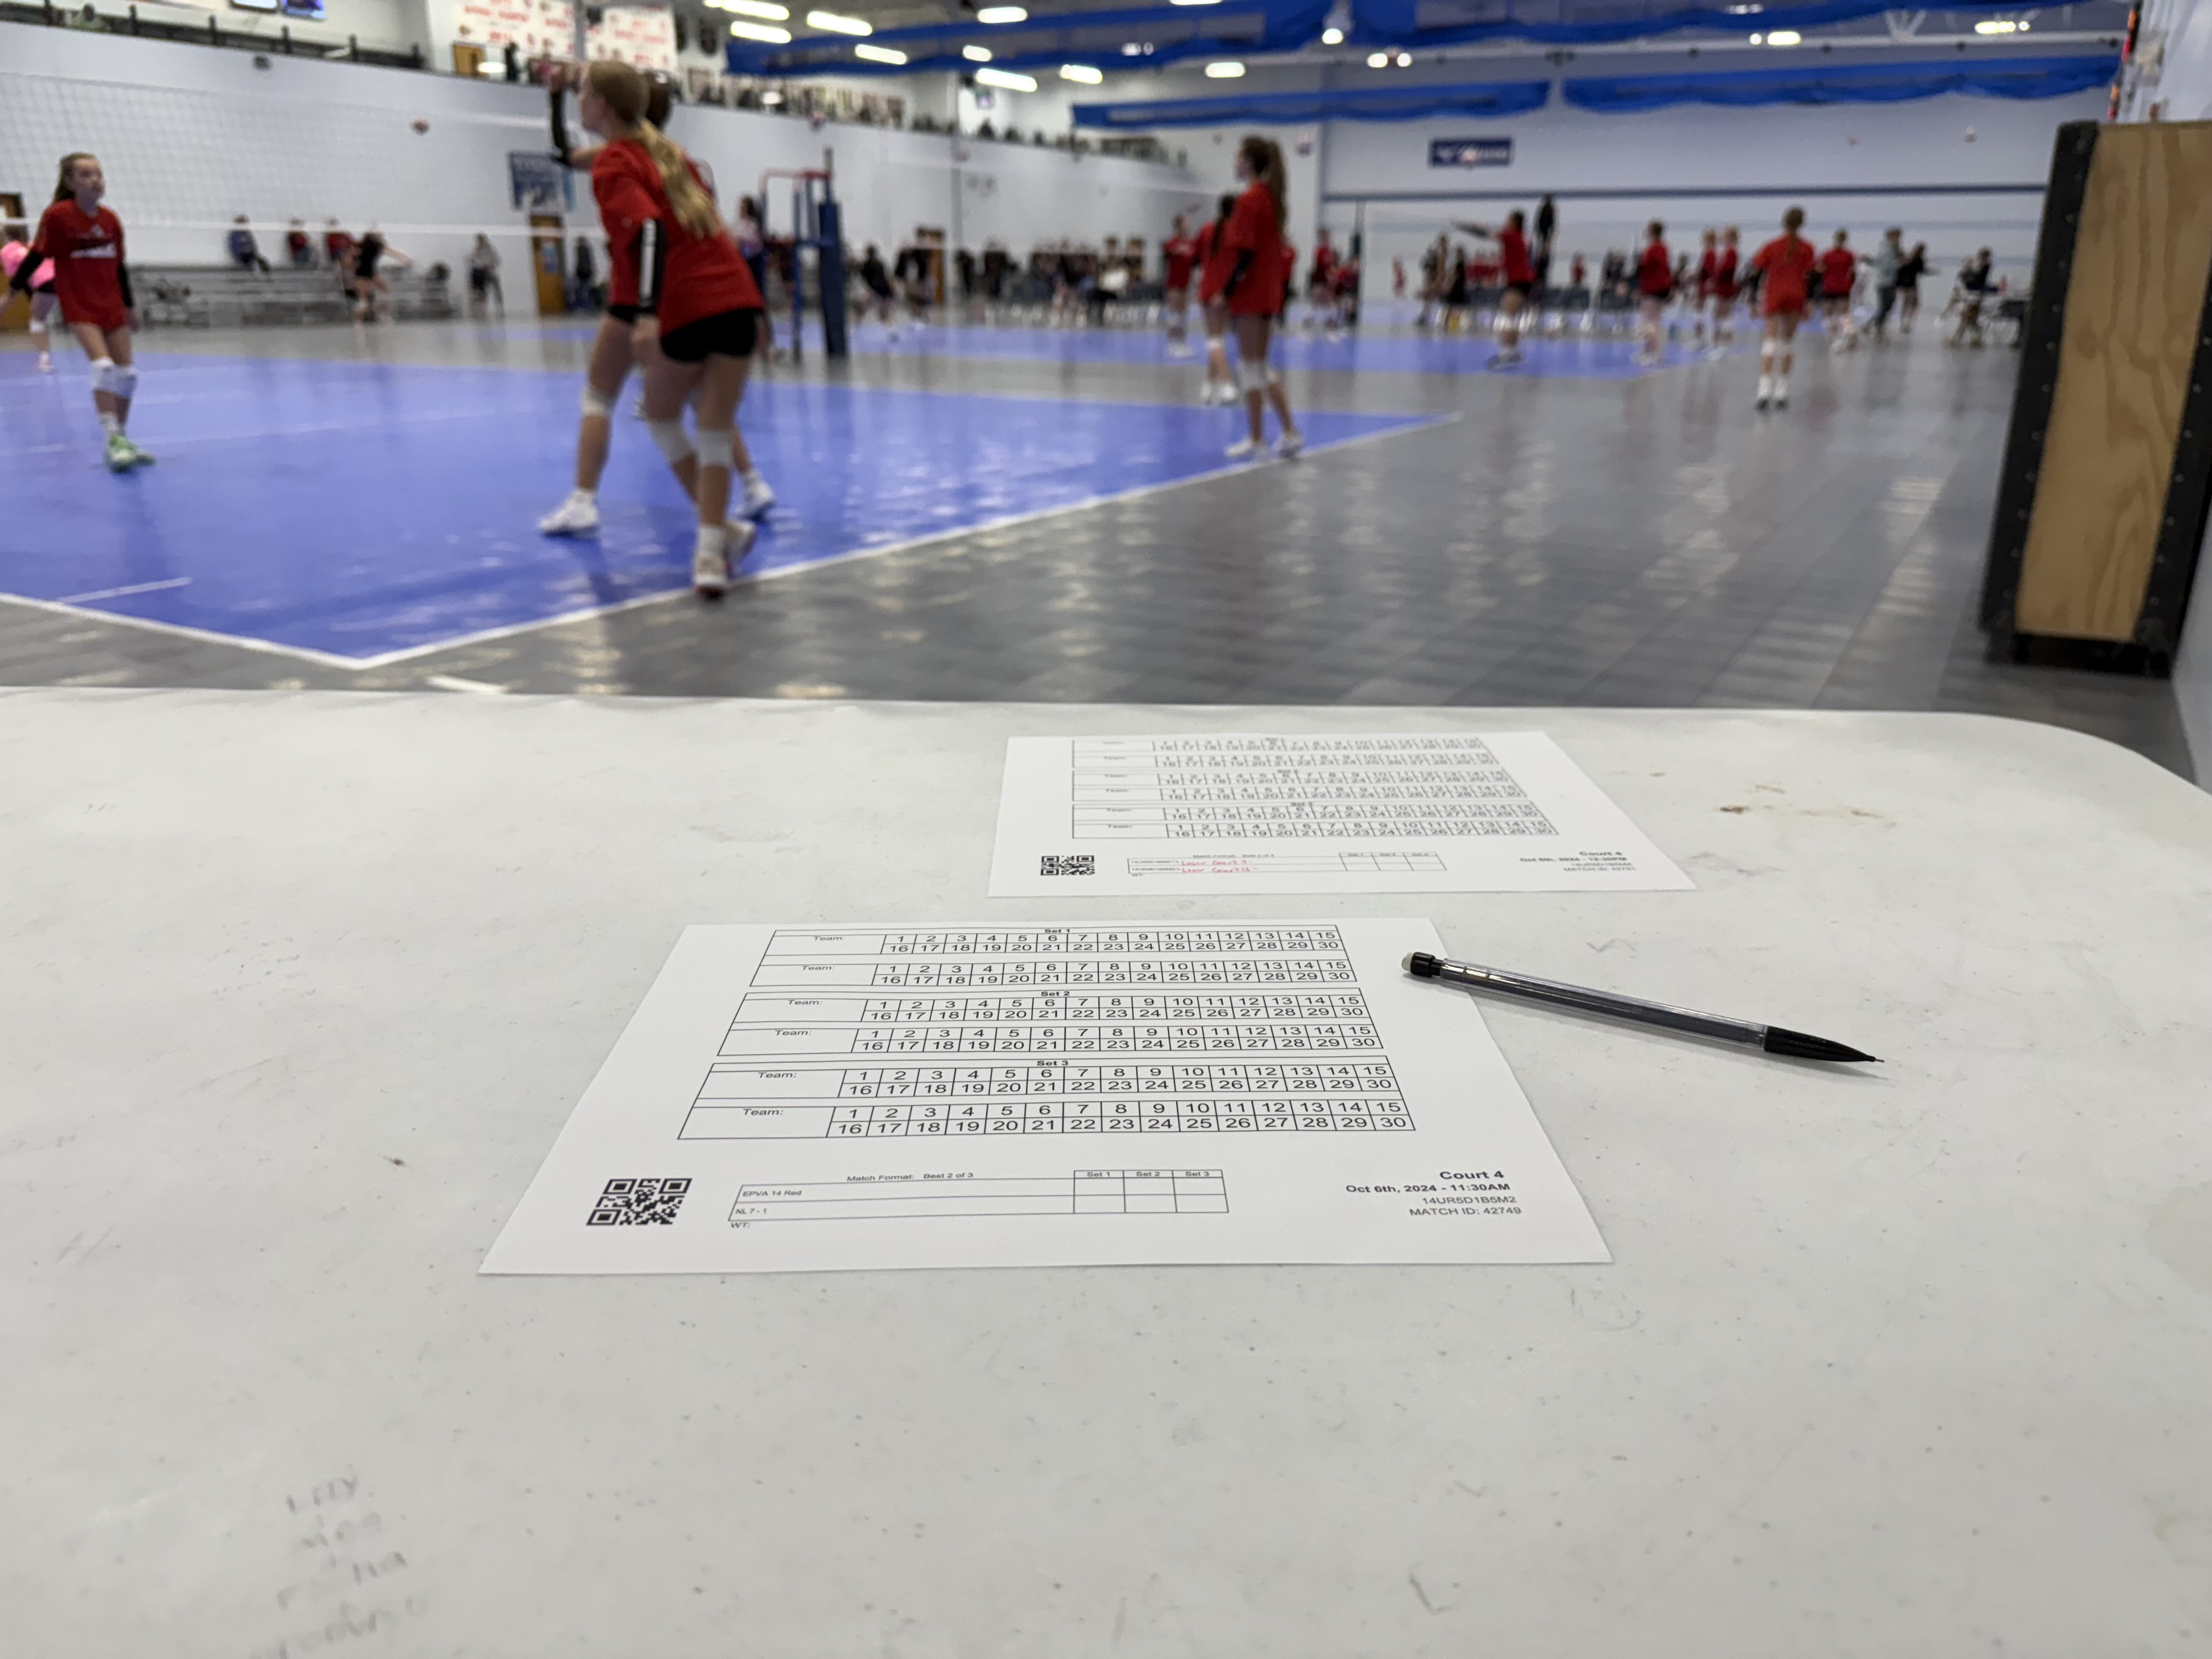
[(1782, 386), (582, 496), (110, 424), (714, 538), (750, 477)]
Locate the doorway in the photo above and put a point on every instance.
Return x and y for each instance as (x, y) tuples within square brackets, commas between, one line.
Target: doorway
[(546, 260)]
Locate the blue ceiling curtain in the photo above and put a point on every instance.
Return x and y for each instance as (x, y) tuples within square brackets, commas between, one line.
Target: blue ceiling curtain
[(1398, 23), (1282, 108), (1162, 34), (1853, 83)]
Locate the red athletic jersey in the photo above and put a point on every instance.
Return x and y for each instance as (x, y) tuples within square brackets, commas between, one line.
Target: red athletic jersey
[(1708, 264), (1786, 263), (1323, 274), (1215, 261), (88, 256), (685, 277), (1724, 283), (1513, 252), (1655, 272), (1839, 271), (1253, 229), (1182, 253)]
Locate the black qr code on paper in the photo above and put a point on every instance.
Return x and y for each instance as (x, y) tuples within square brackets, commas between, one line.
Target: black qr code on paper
[(640, 1201), (1070, 864)]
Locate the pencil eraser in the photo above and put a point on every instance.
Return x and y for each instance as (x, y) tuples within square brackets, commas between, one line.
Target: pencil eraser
[(1421, 965)]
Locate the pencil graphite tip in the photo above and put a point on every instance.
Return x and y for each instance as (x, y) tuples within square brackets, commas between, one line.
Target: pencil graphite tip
[(1800, 1045)]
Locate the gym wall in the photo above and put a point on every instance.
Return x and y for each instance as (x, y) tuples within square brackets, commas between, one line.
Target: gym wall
[(192, 137)]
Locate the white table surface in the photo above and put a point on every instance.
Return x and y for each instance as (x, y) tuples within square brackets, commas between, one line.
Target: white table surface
[(298, 989)]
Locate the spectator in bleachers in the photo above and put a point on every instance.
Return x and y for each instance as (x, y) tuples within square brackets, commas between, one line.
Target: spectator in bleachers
[(297, 248), (245, 252)]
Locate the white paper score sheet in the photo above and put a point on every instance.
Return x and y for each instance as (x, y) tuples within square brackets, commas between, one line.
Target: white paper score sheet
[(885, 1096), (1246, 812)]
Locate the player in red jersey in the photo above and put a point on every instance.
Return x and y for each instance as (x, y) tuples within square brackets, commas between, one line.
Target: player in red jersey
[(1655, 286), (1708, 261), (1724, 293), (1320, 283), (1261, 264), (1214, 261), (85, 242), (610, 361), (1784, 268), (1519, 273), (13, 254), (698, 311), (1181, 252), (1840, 274)]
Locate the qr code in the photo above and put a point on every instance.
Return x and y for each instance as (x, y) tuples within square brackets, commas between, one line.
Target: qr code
[(640, 1201), (1073, 864)]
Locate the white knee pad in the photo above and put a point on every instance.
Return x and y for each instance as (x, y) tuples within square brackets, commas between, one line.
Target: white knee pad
[(123, 383), (717, 446), (103, 373), (38, 326), (671, 438), (1252, 377), (596, 402)]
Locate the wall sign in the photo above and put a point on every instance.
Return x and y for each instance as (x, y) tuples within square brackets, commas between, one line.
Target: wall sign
[(538, 181), (1470, 152)]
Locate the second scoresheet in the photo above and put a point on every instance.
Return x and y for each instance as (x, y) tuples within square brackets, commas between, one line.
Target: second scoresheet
[(1245, 812)]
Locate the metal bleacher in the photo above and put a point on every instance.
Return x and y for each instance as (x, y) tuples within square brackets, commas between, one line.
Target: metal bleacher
[(230, 296)]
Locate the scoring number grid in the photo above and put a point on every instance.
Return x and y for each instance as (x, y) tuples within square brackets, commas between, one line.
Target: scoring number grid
[(1057, 942), (1333, 1037), (1192, 970), (1361, 789), (1047, 1099)]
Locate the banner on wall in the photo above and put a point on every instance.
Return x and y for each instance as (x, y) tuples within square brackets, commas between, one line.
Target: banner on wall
[(538, 182), (641, 36), (536, 28), (1470, 152)]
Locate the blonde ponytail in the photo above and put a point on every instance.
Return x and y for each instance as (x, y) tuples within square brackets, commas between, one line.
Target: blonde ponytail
[(694, 208), (628, 95)]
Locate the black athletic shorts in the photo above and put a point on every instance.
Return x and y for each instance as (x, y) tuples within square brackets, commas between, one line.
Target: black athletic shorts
[(1524, 289), (623, 314), (726, 334)]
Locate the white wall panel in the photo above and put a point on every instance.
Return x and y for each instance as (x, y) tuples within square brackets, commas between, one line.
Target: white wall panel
[(192, 137)]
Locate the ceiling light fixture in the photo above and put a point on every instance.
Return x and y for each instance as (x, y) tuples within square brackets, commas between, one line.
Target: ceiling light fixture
[(1404, 60), (766, 32), (1223, 71), (1378, 60), (1082, 72), (1002, 14), (1784, 38), (767, 8), (1332, 37), (836, 25), (976, 54), (1998, 26), (1007, 79), (879, 54)]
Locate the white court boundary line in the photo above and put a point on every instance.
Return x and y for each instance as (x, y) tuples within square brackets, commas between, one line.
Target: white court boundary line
[(369, 665)]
